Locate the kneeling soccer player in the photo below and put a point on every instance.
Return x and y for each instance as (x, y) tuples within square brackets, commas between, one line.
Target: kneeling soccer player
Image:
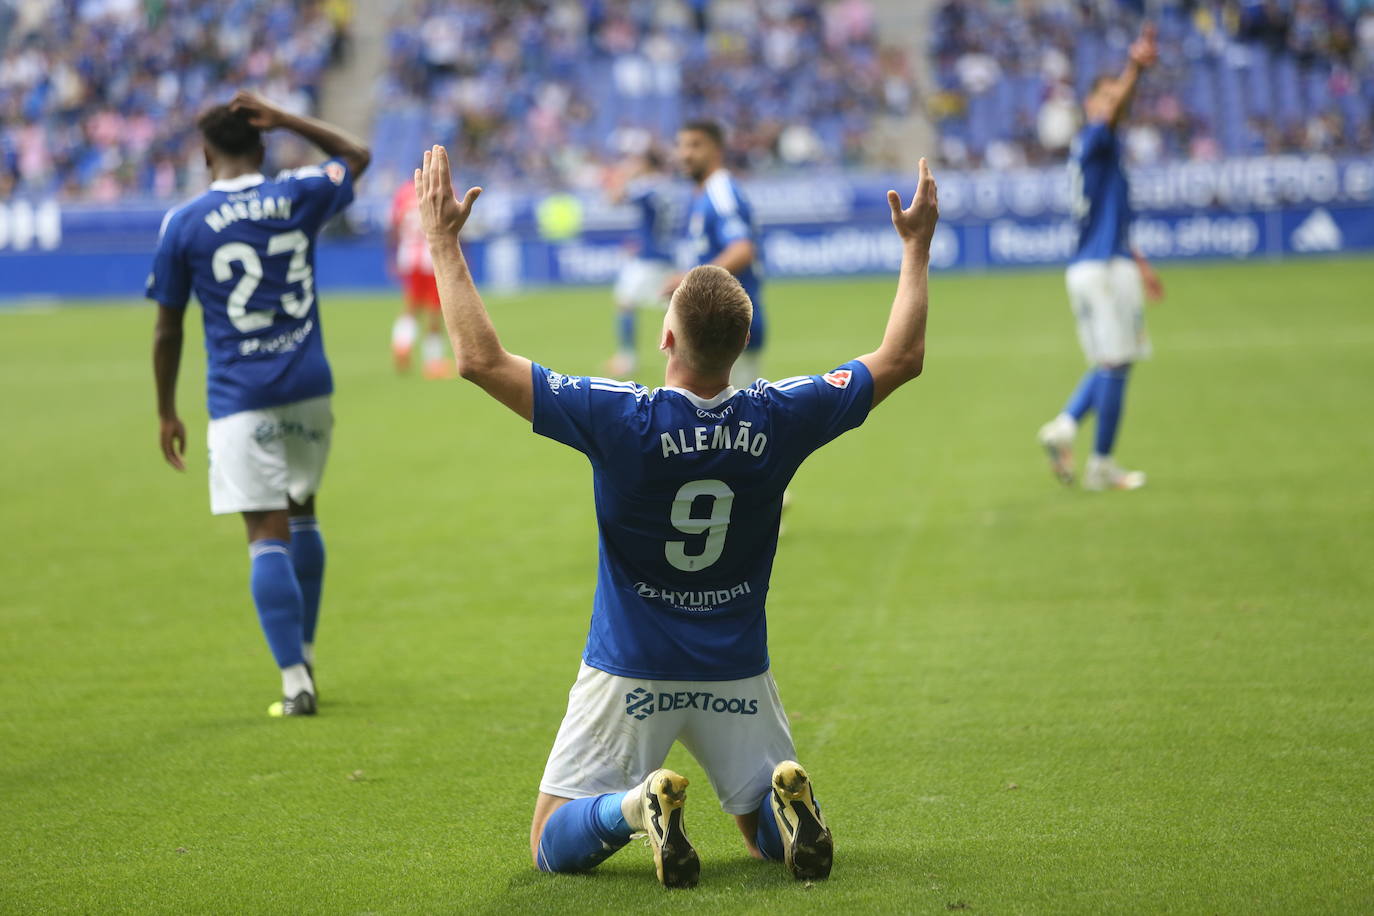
[(689, 484)]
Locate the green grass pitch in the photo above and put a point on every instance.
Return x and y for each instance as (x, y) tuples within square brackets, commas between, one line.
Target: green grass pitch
[(1014, 698)]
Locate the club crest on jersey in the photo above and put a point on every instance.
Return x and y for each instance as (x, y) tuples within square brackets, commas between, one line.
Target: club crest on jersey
[(335, 172), (839, 378)]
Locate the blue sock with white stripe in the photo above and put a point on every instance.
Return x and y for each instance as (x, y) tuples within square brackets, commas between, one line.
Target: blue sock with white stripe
[(625, 332), (583, 833), (1111, 393), (307, 557), (278, 597), (1081, 401), (767, 837)]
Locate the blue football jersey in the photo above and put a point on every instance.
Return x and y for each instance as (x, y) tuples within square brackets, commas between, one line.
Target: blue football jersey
[(654, 223), (246, 247), (720, 215), (1100, 195), (688, 499)]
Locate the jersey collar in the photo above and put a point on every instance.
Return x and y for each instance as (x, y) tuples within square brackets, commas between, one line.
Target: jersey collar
[(241, 183), (729, 392)]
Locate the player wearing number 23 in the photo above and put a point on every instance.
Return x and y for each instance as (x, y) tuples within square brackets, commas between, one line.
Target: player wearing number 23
[(688, 482), (246, 248)]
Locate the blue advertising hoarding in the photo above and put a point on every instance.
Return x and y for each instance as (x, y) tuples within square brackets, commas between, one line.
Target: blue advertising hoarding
[(825, 225)]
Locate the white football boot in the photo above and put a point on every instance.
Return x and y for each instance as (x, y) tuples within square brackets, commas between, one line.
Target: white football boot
[(1103, 474), (662, 796), (1056, 438), (808, 848)]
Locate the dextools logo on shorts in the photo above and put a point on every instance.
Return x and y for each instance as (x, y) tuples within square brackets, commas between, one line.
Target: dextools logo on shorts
[(641, 704)]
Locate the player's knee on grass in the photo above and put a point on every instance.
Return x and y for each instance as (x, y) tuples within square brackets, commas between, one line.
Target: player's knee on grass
[(577, 836)]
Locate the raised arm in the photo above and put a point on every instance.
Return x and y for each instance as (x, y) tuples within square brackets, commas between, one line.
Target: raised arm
[(1143, 54), (336, 143), (901, 355), (481, 358)]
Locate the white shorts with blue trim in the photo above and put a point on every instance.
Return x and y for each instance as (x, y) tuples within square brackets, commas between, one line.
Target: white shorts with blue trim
[(1108, 302), (640, 284), (259, 458), (618, 730)]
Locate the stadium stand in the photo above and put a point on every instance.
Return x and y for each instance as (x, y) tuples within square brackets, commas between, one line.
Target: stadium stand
[(98, 98), (1234, 78), (549, 91)]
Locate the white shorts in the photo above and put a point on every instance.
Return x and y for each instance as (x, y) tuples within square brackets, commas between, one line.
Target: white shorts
[(618, 730), (260, 457), (640, 283), (1108, 301)]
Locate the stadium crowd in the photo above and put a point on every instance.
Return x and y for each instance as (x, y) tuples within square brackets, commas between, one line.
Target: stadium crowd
[(549, 91), (98, 98), (1239, 77)]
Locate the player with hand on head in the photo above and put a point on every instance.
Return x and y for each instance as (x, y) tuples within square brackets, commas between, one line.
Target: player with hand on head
[(640, 282), (1107, 280), (246, 248), (688, 492), (722, 231)]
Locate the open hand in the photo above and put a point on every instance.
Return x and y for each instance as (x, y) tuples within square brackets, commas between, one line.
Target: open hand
[(173, 438), (917, 222), (262, 114), (1145, 50), (442, 215)]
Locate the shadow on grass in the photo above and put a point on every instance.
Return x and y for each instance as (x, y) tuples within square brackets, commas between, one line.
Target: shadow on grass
[(738, 883)]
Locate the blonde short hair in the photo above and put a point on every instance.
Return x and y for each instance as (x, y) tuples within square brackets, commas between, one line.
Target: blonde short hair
[(713, 315)]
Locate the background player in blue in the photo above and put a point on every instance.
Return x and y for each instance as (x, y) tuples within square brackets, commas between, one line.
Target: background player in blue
[(1105, 281), (688, 490), (246, 248), (645, 186), (722, 230)]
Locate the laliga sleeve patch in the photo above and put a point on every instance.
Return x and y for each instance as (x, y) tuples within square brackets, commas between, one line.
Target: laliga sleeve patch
[(839, 378), (335, 172)]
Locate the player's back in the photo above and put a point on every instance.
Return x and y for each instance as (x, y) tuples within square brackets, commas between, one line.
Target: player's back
[(688, 500), (654, 217), (1100, 194), (246, 248)]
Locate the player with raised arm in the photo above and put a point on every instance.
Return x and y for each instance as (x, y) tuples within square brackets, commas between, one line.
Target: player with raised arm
[(246, 248), (688, 490), (640, 282), (1107, 280), (722, 231)]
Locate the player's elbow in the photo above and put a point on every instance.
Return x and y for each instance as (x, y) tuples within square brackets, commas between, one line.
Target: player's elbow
[(474, 369), (359, 160), (910, 363)]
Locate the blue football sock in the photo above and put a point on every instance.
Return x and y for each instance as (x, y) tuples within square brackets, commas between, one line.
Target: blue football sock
[(582, 834), (1111, 392), (307, 556), (767, 837), (625, 331), (1081, 401), (278, 597)]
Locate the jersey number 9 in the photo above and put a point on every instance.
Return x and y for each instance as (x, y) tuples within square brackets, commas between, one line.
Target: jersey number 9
[(713, 526)]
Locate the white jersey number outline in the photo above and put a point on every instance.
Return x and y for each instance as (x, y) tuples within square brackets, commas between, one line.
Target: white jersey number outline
[(714, 526), (298, 271)]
